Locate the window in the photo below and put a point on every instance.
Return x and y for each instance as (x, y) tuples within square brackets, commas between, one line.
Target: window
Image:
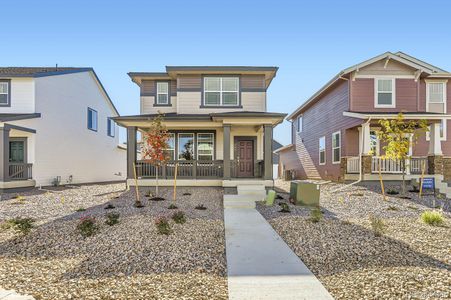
[(162, 93), (4, 92), (299, 124), (336, 147), (92, 119), (374, 143), (436, 92), (186, 146), (205, 146), (385, 95), (221, 91), (170, 151), (110, 127), (322, 150), (442, 131)]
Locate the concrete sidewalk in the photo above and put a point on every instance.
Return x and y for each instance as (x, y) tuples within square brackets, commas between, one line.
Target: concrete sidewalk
[(260, 264)]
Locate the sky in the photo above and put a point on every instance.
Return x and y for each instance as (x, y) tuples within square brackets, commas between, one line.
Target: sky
[(310, 41)]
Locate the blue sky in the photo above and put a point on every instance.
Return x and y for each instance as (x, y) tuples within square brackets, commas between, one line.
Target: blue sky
[(309, 41)]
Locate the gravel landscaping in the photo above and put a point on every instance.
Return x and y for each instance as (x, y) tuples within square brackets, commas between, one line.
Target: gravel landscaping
[(411, 260), (128, 260)]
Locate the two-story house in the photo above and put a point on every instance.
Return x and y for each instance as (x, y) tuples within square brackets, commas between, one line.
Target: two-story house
[(56, 127), (334, 132), (220, 130)]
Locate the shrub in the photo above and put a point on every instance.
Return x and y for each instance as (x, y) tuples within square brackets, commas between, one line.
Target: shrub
[(87, 226), (392, 192), (112, 218), (179, 217), (316, 215), (433, 218), (80, 209), (162, 225), (284, 208), (378, 225), (21, 225), (172, 206), (391, 207), (200, 207), (109, 206)]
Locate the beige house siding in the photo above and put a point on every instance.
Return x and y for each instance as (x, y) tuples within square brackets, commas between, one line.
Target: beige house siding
[(238, 131), (147, 107)]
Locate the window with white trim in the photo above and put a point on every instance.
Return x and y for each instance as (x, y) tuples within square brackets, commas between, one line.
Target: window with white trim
[(110, 127), (299, 124), (205, 146), (436, 92), (162, 93), (4, 93), (336, 147), (322, 150), (384, 92), (442, 131), (221, 91), (170, 151)]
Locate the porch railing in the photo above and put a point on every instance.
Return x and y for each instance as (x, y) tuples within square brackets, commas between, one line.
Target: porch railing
[(387, 165), (185, 169), (20, 171), (417, 164), (353, 165)]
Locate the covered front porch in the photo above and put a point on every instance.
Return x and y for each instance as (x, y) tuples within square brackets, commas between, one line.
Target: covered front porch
[(365, 155), (217, 149)]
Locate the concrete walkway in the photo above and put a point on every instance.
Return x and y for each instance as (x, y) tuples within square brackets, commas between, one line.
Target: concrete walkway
[(12, 295), (260, 264)]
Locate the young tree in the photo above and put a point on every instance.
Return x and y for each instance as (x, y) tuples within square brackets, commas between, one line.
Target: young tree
[(155, 142), (399, 135)]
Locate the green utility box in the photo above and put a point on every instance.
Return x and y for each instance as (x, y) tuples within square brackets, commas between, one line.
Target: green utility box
[(304, 192)]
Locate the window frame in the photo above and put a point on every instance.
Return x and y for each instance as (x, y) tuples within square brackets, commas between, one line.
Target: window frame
[(319, 151), (168, 93), (96, 118), (299, 125), (376, 92), (8, 94), (221, 91), (193, 134), (445, 84), (173, 135), (110, 127), (334, 148), (213, 141)]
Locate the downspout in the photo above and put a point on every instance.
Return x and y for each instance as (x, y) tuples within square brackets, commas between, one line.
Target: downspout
[(360, 164)]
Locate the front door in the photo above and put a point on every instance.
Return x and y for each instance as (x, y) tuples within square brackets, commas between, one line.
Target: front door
[(17, 151), (245, 158)]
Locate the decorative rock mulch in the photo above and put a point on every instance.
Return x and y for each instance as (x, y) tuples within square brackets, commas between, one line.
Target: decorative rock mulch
[(411, 260), (129, 260)]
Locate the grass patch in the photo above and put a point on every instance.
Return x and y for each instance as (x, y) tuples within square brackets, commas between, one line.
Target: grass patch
[(377, 225), (179, 217), (112, 218), (20, 225), (433, 218), (316, 215), (163, 226)]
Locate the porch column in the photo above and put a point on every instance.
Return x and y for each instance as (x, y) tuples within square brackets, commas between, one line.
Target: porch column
[(226, 151), (435, 154), (267, 151), (131, 150), (4, 157), (366, 148)]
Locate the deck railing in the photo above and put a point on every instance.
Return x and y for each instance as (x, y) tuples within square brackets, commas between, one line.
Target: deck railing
[(414, 165), (353, 165), (417, 164), (20, 171), (393, 166)]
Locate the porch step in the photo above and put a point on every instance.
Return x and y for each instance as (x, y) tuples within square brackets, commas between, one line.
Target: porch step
[(240, 201), (443, 188), (258, 191)]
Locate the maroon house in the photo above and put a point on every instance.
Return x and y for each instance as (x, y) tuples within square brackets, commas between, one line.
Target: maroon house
[(333, 132)]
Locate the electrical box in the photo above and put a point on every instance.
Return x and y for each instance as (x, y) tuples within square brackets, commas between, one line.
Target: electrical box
[(304, 192)]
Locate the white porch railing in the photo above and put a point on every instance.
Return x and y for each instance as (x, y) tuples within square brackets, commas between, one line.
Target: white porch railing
[(386, 165), (352, 166)]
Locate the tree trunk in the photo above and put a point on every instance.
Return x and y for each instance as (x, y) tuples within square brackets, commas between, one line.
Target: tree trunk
[(403, 177), (156, 187)]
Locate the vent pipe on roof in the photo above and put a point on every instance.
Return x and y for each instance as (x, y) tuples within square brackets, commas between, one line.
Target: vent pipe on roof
[(56, 67)]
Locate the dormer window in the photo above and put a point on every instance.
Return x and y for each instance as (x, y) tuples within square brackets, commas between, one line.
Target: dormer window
[(162, 93), (384, 92), (5, 92), (221, 91)]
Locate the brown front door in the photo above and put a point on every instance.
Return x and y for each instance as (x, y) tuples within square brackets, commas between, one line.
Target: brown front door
[(245, 158)]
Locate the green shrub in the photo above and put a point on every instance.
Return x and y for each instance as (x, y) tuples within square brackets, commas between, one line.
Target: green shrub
[(87, 226), (284, 208), (112, 218), (20, 225), (179, 217), (80, 209), (316, 215), (172, 206), (392, 192), (162, 225), (200, 207), (433, 218), (378, 225), (391, 207)]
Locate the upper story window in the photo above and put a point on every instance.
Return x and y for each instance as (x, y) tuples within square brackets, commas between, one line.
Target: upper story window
[(221, 91), (92, 119), (5, 93), (384, 92), (336, 147), (322, 150), (162, 93), (436, 96), (299, 124), (110, 127)]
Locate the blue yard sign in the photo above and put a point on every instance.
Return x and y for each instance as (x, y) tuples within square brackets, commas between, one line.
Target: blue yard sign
[(428, 184)]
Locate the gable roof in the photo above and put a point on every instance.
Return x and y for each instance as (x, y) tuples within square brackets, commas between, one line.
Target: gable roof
[(401, 57), (35, 72)]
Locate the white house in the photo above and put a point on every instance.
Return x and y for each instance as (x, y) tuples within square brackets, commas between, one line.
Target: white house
[(55, 126)]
